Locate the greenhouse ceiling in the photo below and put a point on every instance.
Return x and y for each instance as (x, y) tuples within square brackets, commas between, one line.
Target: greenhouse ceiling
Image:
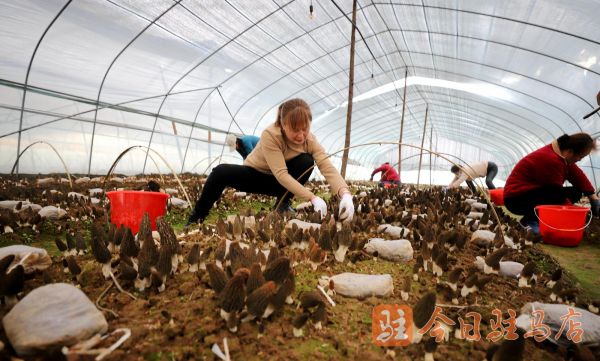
[(497, 79)]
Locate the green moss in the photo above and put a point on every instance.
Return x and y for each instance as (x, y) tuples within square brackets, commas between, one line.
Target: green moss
[(306, 279), (308, 347), (28, 237), (177, 219), (227, 207), (582, 263), (160, 356)]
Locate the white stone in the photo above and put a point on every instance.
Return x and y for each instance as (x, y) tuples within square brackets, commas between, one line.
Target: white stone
[(360, 285), (95, 191), (33, 206), (483, 237), (82, 180), (178, 203), (399, 250), (475, 215), (393, 231), (476, 206), (37, 258), (507, 268), (42, 181), (52, 316), (52, 212), (589, 322), (76, 195), (11, 205)]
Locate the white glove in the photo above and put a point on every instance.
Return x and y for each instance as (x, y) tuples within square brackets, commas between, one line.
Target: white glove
[(346, 208), (319, 205)]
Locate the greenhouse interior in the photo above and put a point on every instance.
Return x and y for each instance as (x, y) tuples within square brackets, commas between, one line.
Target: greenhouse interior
[(299, 180)]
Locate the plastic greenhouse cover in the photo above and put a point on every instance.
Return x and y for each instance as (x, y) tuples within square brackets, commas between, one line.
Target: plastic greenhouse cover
[(499, 79)]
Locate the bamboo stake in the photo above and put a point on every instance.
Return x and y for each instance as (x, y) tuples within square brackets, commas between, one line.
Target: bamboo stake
[(402, 124), (422, 142), (350, 93), (430, 155)]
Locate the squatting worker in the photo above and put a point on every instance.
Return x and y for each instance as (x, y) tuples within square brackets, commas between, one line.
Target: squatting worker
[(243, 145), (388, 175), (469, 172), (286, 151), (538, 178)]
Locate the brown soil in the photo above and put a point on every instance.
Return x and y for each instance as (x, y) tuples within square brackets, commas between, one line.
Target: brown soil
[(182, 323)]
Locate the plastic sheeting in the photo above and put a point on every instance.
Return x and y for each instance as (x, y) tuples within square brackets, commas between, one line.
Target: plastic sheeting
[(499, 79)]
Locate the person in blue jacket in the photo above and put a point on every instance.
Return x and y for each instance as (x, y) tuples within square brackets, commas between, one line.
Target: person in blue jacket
[(243, 144)]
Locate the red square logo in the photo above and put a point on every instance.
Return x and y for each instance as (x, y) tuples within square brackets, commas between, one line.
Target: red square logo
[(392, 325)]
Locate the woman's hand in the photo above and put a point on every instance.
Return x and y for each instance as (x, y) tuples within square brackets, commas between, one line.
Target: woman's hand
[(319, 205), (346, 208)]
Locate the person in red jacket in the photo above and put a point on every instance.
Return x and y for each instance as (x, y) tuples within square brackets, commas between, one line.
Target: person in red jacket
[(388, 175), (538, 178)]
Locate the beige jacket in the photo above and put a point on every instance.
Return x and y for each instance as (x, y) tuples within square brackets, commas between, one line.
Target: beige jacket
[(469, 172), (272, 151)]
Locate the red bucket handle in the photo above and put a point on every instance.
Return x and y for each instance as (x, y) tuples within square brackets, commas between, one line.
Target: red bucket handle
[(564, 230)]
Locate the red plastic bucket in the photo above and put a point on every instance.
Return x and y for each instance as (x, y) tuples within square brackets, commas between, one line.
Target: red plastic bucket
[(562, 225), (128, 207), (497, 196)]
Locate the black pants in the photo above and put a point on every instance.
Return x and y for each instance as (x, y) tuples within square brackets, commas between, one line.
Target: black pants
[(492, 171), (248, 179), (524, 204)]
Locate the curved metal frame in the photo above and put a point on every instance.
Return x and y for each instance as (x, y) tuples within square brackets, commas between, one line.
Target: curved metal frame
[(378, 131), (333, 20), (472, 77), (29, 72), (108, 71), (16, 164), (372, 112), (195, 67), (514, 90)]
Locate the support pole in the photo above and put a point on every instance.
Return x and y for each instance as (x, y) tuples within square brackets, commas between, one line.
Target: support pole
[(436, 148), (422, 143), (350, 92), (402, 125), (430, 155)]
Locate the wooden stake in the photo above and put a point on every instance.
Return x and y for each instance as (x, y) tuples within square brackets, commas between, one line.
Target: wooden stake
[(422, 143), (350, 93), (402, 125)]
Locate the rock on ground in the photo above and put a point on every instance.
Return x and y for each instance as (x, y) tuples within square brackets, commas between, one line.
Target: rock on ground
[(54, 315)]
